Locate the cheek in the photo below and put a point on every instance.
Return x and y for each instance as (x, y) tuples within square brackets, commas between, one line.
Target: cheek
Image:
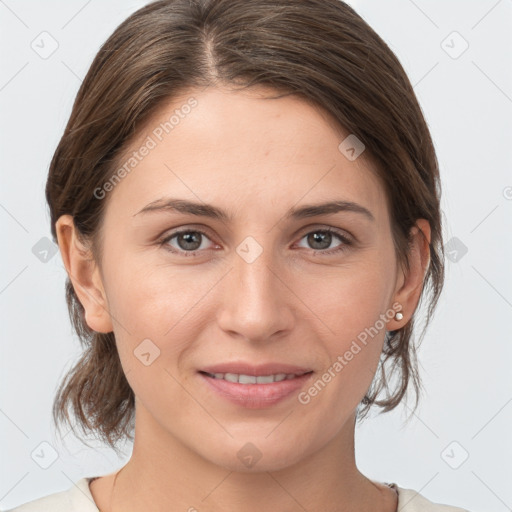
[(351, 307), (157, 302), (146, 295), (154, 328), (349, 298)]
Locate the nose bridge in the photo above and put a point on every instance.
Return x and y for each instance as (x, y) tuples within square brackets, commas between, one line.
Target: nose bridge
[(255, 305)]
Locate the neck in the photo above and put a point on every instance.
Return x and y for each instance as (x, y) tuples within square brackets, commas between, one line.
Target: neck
[(163, 473)]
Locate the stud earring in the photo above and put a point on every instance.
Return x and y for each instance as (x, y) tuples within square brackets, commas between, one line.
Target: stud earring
[(399, 315)]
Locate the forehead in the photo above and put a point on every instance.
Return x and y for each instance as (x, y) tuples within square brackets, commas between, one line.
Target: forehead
[(244, 149)]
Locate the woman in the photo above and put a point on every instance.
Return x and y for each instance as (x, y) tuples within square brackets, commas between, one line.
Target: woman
[(214, 148)]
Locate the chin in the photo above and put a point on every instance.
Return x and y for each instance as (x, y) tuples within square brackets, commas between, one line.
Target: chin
[(257, 456)]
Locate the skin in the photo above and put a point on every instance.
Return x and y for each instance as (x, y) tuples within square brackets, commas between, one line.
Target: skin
[(256, 159)]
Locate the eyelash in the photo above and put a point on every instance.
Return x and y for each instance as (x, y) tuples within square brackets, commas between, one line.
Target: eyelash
[(343, 247)]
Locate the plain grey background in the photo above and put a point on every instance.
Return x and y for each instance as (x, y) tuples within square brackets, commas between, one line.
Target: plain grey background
[(457, 449)]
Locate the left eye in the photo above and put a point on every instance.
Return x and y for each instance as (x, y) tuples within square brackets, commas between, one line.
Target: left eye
[(321, 239), (189, 242)]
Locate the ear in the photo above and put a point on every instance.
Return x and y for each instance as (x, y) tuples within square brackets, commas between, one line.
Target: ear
[(84, 274), (409, 285)]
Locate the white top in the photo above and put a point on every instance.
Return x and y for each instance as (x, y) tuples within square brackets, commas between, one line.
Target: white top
[(79, 499)]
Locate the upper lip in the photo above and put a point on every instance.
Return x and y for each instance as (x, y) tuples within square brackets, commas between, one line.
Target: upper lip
[(243, 368)]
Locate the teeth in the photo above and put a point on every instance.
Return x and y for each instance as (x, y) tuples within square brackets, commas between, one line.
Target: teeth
[(264, 379), (253, 379), (247, 379)]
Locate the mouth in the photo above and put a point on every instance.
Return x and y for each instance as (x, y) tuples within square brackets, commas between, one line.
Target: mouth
[(242, 378), (256, 389)]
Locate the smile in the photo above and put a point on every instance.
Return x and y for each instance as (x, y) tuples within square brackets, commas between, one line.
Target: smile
[(241, 378), (255, 391)]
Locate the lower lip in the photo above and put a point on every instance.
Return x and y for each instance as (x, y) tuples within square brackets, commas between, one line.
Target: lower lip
[(256, 396)]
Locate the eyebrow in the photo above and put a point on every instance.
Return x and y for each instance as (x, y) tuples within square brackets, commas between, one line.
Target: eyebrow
[(208, 210)]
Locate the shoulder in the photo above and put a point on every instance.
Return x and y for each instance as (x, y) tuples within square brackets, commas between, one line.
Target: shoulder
[(77, 498), (411, 501)]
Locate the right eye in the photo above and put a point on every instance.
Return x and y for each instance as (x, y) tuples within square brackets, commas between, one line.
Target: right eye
[(188, 242)]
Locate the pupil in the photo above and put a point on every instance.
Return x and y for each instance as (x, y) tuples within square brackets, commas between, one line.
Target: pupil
[(191, 240), (318, 237)]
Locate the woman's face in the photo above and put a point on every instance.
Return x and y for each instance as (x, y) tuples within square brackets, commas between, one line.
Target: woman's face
[(261, 284)]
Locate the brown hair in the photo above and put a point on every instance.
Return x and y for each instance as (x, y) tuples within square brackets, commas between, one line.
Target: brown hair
[(321, 50)]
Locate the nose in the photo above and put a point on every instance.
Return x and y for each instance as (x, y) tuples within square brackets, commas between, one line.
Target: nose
[(257, 303)]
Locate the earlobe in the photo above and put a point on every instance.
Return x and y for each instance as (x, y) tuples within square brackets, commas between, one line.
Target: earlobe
[(411, 283), (84, 274)]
